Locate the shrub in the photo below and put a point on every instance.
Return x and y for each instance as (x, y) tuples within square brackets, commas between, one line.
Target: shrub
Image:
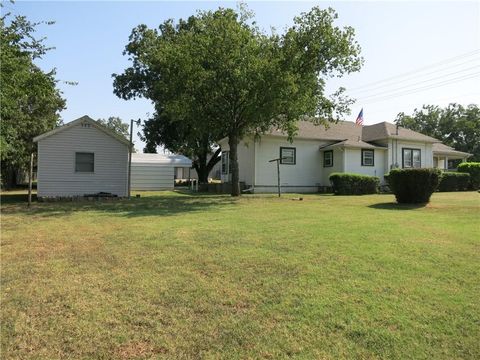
[(454, 181), (472, 168), (413, 186), (354, 184)]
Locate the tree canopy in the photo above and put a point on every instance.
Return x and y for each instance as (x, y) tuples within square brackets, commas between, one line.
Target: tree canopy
[(217, 73), (29, 97), (117, 125), (455, 125)]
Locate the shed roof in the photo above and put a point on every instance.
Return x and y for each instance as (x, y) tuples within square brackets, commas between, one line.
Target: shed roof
[(83, 119), (161, 160)]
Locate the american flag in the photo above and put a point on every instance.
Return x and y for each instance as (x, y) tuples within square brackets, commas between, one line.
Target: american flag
[(359, 120)]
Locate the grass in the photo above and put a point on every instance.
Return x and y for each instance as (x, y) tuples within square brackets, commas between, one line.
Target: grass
[(172, 275)]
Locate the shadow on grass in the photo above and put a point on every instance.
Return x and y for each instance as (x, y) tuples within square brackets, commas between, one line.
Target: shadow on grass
[(396, 206), (154, 205)]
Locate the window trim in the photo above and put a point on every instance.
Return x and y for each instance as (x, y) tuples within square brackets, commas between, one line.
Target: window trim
[(373, 157), (324, 153), (411, 151), (75, 163), (294, 155)]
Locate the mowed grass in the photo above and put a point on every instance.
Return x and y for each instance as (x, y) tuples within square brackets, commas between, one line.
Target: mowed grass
[(174, 275)]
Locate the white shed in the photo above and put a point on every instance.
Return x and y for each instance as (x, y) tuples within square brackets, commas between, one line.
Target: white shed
[(81, 157), (156, 171)]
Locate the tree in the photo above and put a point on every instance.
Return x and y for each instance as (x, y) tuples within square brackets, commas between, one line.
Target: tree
[(455, 125), (117, 125), (218, 70), (30, 100), (180, 137)]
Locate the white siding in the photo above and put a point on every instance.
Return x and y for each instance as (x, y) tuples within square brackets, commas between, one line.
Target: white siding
[(304, 176), (353, 163), (152, 177), (246, 160), (56, 163), (395, 153), (338, 166)]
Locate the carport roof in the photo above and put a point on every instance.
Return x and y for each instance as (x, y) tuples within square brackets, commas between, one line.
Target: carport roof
[(161, 160)]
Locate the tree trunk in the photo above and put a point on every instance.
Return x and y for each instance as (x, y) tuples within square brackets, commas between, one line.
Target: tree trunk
[(233, 143), (203, 167)]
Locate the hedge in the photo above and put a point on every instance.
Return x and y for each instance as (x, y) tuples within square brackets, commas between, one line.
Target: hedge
[(454, 181), (472, 168), (354, 184), (413, 186)]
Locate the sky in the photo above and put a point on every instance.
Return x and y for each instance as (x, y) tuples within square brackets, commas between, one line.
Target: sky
[(423, 52)]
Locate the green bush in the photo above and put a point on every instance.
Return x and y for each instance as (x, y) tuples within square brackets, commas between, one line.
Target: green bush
[(413, 186), (354, 184), (454, 181), (472, 168)]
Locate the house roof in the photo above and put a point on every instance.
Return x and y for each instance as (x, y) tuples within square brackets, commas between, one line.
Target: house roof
[(83, 119), (161, 160), (385, 130), (353, 144), (348, 130), (442, 149), (339, 131)]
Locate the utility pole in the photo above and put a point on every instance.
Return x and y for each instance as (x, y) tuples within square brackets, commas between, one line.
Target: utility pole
[(137, 122)]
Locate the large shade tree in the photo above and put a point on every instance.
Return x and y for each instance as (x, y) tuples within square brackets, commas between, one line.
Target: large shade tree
[(218, 71), (29, 97), (455, 125)]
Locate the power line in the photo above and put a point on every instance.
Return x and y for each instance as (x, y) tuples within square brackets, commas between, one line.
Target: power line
[(446, 61), (413, 91), (409, 78), (419, 82)]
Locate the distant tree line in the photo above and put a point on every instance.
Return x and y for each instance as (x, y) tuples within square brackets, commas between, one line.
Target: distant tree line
[(455, 125)]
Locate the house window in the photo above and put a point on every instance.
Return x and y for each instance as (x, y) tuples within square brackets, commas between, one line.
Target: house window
[(84, 162), (287, 155), (225, 162), (328, 158), (368, 157), (411, 158)]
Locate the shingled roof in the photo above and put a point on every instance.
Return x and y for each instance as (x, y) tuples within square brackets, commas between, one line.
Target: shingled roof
[(348, 130), (385, 130), (442, 149), (339, 131)]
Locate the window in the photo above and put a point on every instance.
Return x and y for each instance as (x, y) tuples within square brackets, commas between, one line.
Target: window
[(411, 158), (328, 158), (368, 157), (287, 155), (225, 162), (84, 162)]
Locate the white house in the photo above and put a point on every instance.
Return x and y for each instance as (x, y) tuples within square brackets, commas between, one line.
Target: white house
[(316, 152), (81, 157), (157, 171)]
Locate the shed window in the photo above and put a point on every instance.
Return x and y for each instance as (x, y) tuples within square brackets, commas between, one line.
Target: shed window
[(287, 155), (328, 158), (368, 157), (225, 162), (411, 158), (84, 162)]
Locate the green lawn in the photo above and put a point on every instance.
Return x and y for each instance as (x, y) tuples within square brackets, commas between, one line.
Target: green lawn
[(173, 275)]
